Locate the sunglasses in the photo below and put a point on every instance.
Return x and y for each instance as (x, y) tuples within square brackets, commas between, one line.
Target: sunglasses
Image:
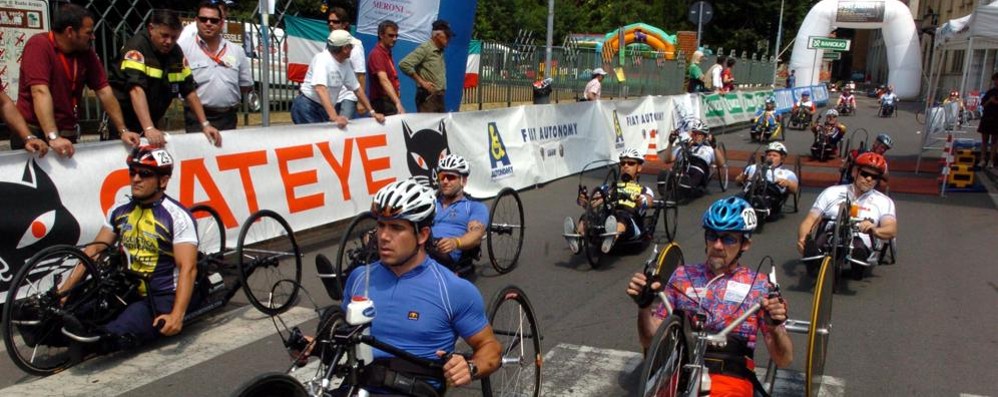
[(213, 21), (392, 35), (141, 172), (629, 163), (335, 22), (446, 177), (727, 239), (873, 175)]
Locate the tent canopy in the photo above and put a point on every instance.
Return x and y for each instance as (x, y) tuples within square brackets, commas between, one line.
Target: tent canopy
[(982, 25)]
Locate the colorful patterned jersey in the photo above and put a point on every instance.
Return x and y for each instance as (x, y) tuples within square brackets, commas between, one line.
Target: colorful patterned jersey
[(148, 234)]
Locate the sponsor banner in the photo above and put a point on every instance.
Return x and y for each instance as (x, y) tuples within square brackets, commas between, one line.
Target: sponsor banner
[(19, 20), (413, 17)]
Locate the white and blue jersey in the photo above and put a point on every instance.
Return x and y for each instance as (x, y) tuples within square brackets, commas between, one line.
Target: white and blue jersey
[(452, 220), (422, 311)]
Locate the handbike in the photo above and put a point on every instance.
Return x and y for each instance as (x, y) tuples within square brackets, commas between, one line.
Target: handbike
[(36, 308), (839, 241), (760, 192)]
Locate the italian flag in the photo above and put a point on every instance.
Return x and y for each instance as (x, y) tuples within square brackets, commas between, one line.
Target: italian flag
[(305, 38), (474, 61)]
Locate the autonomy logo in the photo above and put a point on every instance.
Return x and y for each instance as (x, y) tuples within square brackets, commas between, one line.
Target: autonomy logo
[(619, 140), (498, 157)]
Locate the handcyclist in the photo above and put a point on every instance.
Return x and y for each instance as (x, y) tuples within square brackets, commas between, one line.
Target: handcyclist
[(880, 146), (159, 240), (459, 223), (847, 101), (703, 150), (831, 131), (724, 289), (780, 181), (632, 202), (766, 121), (875, 209), (421, 306), (804, 104), (888, 101)]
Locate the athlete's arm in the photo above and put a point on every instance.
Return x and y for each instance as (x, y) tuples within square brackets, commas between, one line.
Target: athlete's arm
[(781, 348), (185, 255), (485, 355), (887, 229), (105, 237), (805, 228)]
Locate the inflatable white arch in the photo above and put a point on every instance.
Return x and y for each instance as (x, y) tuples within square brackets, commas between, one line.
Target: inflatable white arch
[(904, 54)]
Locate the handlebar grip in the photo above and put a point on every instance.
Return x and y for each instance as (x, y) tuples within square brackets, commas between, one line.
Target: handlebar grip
[(646, 296)]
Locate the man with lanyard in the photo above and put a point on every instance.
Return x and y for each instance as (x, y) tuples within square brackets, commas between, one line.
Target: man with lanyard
[(159, 239), (152, 72), (780, 182), (220, 68), (766, 122), (459, 223), (426, 66), (190, 30), (847, 101), (385, 95), (421, 306), (704, 153), (328, 73), (877, 211), (723, 289), (881, 145), (54, 67), (346, 104), (17, 126), (888, 101), (831, 131), (627, 218), (804, 105)]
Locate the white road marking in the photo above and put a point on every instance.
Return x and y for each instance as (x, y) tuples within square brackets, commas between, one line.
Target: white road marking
[(117, 374)]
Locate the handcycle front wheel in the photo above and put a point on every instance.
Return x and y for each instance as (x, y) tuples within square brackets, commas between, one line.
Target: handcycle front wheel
[(670, 204), (272, 384), (722, 170), (211, 231), (515, 326), (662, 372), (32, 323), (358, 247), (504, 238), (269, 262)]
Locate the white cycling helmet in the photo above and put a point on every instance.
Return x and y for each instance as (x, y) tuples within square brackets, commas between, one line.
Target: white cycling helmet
[(454, 163), (777, 147), (405, 199), (831, 112), (699, 126), (631, 153)]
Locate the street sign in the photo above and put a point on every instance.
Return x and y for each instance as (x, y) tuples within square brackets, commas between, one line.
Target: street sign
[(831, 56), (828, 43), (694, 12)]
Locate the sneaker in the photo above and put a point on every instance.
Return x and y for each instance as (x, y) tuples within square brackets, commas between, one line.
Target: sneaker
[(75, 330), (573, 242), (610, 226)]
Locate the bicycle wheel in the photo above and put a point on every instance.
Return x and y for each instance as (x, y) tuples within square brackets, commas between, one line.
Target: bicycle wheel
[(591, 240), (358, 247), (670, 206), (269, 262), (211, 231), (839, 246), (272, 384), (722, 171), (818, 333), (505, 233), (799, 171), (515, 326), (662, 371), (32, 315)]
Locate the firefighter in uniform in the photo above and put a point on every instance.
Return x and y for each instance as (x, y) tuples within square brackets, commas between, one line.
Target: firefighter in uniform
[(152, 72)]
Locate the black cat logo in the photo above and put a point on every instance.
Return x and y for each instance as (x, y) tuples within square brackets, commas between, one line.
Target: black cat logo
[(34, 218), (425, 149)]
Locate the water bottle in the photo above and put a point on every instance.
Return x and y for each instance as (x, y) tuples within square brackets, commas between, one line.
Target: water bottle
[(361, 311), (705, 385)]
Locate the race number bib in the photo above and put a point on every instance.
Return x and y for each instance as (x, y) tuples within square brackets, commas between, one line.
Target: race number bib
[(736, 292)]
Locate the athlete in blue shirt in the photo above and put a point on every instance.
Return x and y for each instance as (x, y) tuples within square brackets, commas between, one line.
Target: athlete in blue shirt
[(421, 306), (459, 223)]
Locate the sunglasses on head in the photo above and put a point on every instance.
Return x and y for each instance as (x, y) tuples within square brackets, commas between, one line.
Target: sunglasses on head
[(727, 239), (141, 172), (866, 174), (212, 20), (446, 177)]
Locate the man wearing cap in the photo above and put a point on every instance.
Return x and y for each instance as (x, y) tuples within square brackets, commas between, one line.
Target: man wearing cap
[(425, 64), (592, 91), (328, 73), (346, 103)]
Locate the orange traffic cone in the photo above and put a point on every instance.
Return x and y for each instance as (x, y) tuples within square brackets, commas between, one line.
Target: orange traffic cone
[(652, 154)]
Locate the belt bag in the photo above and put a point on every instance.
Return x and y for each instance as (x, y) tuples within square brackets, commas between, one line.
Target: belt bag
[(403, 377)]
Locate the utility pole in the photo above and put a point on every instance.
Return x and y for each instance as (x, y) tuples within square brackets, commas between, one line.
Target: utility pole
[(779, 42), (550, 40)]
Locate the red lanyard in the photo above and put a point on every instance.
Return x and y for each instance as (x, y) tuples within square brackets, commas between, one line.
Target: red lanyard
[(71, 75), (217, 58)]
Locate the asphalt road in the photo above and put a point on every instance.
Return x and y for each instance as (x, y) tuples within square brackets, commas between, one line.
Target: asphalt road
[(919, 327)]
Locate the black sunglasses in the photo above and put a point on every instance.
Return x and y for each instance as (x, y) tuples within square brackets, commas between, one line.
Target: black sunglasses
[(630, 163), (873, 175), (141, 172), (213, 21), (335, 21)]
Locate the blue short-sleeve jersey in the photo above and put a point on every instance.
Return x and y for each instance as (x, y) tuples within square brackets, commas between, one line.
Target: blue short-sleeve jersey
[(452, 220), (422, 311)]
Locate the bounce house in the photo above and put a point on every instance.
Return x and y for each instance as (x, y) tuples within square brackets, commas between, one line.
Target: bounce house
[(638, 33)]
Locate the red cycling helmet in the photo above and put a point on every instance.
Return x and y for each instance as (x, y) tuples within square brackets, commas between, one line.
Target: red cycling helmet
[(156, 159), (872, 160)]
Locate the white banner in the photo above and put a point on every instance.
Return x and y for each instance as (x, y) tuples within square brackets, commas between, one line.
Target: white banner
[(414, 17)]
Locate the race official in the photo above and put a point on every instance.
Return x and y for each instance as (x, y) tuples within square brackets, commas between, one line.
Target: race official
[(425, 65), (385, 94), (220, 68), (328, 73), (54, 68), (346, 104), (152, 72)]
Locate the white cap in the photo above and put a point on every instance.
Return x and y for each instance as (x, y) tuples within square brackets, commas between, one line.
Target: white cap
[(599, 71), (339, 38)]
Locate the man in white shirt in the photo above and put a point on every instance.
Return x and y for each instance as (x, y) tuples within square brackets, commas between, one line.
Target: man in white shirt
[(346, 104), (703, 153), (328, 73), (593, 88), (780, 182), (716, 83), (220, 68)]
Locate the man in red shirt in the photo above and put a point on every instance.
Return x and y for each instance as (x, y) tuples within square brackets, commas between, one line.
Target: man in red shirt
[(54, 68), (385, 84)]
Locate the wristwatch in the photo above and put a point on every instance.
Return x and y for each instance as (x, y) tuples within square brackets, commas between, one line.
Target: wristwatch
[(472, 368), (52, 135), (205, 123)]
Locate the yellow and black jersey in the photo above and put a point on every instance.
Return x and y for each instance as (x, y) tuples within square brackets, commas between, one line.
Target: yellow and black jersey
[(162, 76), (627, 192)]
